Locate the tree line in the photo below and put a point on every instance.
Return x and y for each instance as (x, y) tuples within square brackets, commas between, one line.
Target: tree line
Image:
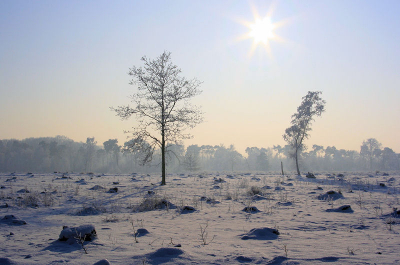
[(61, 154)]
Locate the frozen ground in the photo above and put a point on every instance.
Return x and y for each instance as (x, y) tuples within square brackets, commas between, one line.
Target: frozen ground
[(288, 220)]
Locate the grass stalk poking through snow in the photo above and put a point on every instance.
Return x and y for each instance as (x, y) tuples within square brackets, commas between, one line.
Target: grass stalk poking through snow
[(204, 235), (134, 232), (81, 240), (285, 249)]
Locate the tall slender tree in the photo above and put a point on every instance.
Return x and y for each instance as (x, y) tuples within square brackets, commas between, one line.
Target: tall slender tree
[(161, 105), (90, 148), (311, 106)]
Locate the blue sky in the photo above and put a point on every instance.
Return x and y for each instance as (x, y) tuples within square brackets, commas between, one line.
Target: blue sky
[(64, 63)]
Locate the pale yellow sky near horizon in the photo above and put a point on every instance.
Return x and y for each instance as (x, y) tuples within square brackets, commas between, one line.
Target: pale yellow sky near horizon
[(62, 65)]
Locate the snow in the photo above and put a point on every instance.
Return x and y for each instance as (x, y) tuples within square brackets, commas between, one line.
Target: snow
[(299, 220)]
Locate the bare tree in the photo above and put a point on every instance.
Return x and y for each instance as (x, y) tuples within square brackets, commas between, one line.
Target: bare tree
[(161, 105), (311, 106)]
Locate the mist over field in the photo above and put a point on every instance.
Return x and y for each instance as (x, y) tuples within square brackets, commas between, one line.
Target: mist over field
[(61, 154)]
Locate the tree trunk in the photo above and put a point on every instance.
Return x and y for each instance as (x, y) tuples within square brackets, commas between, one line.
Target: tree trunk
[(297, 163), (163, 158), (282, 168), (370, 162)]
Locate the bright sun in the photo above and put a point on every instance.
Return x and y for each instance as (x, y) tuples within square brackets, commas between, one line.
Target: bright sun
[(262, 30)]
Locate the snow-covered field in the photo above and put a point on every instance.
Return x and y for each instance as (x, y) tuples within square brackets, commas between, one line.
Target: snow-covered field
[(288, 219)]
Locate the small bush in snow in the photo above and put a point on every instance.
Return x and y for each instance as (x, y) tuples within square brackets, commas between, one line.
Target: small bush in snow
[(243, 183), (47, 199), (254, 190), (29, 200)]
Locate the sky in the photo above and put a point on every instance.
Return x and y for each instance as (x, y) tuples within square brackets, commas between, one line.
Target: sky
[(63, 64)]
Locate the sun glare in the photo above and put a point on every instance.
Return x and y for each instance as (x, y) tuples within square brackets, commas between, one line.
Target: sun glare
[(262, 30)]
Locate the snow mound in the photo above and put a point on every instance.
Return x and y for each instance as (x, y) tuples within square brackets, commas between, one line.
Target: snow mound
[(330, 195), (88, 232), (209, 200), (187, 209), (258, 197), (243, 259), (219, 180), (81, 181), (141, 232), (284, 203), (12, 220), (6, 261), (278, 260), (342, 209), (88, 211), (164, 255), (113, 190), (97, 187), (310, 175), (102, 262), (250, 209), (166, 252), (155, 203), (263, 233)]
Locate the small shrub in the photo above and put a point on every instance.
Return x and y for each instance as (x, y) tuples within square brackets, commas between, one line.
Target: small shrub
[(30, 200), (111, 219), (204, 235), (243, 183), (254, 190), (47, 199)]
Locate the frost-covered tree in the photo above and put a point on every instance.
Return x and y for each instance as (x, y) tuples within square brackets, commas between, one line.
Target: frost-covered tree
[(89, 151), (370, 149), (112, 149), (258, 158), (161, 105), (311, 106), (175, 154), (389, 159), (136, 151), (191, 160)]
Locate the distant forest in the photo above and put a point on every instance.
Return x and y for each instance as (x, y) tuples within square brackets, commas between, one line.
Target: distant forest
[(61, 154)]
